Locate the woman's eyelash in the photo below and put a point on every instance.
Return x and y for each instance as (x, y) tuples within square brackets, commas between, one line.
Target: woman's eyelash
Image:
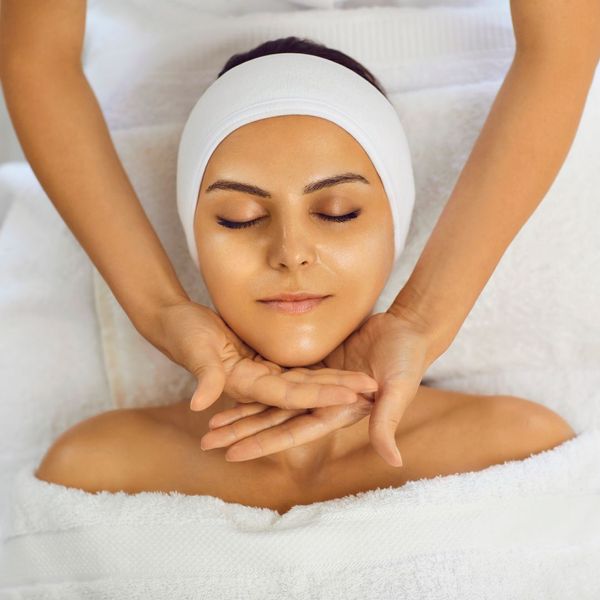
[(333, 218), (341, 218)]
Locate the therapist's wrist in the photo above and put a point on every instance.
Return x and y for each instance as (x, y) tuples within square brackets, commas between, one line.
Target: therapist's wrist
[(427, 314), (149, 319)]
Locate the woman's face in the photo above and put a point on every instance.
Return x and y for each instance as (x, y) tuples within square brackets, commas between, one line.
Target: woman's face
[(317, 221)]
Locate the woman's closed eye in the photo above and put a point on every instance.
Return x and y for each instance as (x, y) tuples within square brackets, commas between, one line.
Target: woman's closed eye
[(330, 218)]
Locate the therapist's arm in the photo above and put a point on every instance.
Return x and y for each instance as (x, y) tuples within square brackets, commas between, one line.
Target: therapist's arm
[(520, 150), (66, 141)]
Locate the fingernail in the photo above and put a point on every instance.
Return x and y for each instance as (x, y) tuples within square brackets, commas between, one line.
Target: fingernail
[(238, 455), (399, 462), (229, 458)]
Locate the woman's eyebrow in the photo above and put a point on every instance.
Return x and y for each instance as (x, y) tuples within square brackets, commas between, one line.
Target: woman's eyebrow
[(224, 184)]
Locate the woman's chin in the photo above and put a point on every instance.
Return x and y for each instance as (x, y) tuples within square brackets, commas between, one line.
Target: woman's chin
[(291, 356)]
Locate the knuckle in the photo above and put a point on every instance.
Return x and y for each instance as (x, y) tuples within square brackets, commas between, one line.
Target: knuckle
[(234, 429), (288, 401), (363, 406), (261, 450), (292, 439), (385, 422)]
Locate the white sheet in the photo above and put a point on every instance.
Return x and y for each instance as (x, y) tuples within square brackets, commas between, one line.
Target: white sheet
[(51, 362)]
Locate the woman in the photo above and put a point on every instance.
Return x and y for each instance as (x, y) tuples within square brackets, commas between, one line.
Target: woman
[(264, 222), (533, 116)]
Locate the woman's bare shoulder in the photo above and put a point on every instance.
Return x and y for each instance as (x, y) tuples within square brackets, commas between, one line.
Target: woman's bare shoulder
[(100, 452), (459, 432), (514, 428)]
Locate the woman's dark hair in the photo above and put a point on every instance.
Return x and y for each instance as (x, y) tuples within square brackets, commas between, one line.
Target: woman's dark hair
[(302, 46)]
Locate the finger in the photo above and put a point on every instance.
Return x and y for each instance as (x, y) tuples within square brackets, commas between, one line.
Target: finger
[(265, 383), (296, 395), (225, 417), (386, 414), (243, 428), (211, 381), (252, 382), (356, 380), (296, 431)]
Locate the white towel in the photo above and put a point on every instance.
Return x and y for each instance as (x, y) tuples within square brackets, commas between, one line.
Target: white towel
[(525, 530)]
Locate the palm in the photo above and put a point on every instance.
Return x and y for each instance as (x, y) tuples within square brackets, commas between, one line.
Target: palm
[(385, 347), (393, 352)]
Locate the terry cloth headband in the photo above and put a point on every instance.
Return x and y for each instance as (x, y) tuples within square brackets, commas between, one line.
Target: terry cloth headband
[(291, 83)]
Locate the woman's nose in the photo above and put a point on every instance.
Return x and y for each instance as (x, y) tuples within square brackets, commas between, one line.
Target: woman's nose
[(292, 248)]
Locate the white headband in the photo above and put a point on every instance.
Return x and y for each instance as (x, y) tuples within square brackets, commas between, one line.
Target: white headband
[(296, 84)]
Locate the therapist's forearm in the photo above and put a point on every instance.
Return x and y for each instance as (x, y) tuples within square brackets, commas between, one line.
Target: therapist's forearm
[(67, 142), (521, 147)]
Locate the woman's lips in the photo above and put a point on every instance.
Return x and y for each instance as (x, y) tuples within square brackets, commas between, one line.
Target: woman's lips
[(295, 307)]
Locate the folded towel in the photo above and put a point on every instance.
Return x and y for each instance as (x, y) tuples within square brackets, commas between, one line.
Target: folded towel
[(148, 62), (525, 529)]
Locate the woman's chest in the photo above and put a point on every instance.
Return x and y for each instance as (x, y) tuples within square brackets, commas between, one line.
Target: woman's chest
[(198, 473)]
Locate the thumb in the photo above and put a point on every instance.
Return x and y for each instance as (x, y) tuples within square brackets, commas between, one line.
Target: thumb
[(386, 414), (211, 381)]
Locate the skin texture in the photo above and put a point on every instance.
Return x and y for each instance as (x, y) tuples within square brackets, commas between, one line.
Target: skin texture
[(158, 448)]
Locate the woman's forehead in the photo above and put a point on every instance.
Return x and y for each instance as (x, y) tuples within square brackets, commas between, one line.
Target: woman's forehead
[(289, 134), (299, 149)]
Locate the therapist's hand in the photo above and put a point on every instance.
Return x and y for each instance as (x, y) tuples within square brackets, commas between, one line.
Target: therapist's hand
[(196, 337), (393, 349)]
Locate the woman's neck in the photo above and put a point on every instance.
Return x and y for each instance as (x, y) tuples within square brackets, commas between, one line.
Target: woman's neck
[(303, 462)]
